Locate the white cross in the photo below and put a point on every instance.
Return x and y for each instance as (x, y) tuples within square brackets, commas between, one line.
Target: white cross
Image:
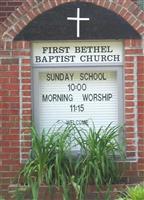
[(78, 19)]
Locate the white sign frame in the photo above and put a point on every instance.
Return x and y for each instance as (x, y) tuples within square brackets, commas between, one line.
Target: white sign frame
[(103, 55)]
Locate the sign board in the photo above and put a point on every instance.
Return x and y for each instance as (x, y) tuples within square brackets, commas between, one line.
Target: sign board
[(77, 95), (77, 52)]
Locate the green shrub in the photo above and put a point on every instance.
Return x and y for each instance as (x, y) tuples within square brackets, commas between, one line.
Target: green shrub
[(97, 163), (53, 161), (49, 163)]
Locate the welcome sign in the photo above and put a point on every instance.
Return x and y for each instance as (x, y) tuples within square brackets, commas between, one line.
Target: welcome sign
[(77, 52)]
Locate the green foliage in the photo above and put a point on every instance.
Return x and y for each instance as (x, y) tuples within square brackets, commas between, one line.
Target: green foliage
[(53, 161), (133, 193), (1, 198), (50, 163), (99, 147), (98, 159), (18, 195)]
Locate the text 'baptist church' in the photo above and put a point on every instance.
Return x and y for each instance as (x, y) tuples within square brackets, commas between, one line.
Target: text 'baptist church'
[(92, 52)]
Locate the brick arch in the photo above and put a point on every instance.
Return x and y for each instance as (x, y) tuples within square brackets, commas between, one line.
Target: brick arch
[(127, 9)]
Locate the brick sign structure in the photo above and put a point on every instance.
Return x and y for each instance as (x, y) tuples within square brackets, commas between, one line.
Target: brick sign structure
[(92, 50)]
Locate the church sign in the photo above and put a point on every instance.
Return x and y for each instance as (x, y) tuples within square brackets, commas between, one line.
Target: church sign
[(77, 52), (77, 81)]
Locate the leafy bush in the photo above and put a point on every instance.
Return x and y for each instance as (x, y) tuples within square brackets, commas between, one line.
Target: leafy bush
[(133, 193), (53, 161)]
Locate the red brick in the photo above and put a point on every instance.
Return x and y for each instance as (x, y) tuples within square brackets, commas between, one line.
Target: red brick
[(136, 43), (5, 156), (140, 68), (129, 135), (17, 45), (141, 29), (141, 148), (14, 68), (13, 18), (21, 24), (140, 103), (141, 15), (134, 51), (26, 61), (53, 3), (129, 129), (26, 87), (129, 84), (10, 149), (26, 68), (131, 148), (9, 61), (141, 129), (141, 90), (9, 74), (129, 97), (11, 112), (3, 3), (141, 110), (48, 5), (5, 53), (3, 68), (129, 58), (26, 124), (127, 43), (136, 24), (10, 87), (129, 71), (27, 45), (26, 74), (26, 118), (141, 167), (129, 91), (14, 80), (123, 11), (129, 77), (127, 16), (20, 53), (14, 105), (141, 154), (42, 8), (141, 97), (130, 123), (4, 79), (129, 116), (26, 99), (140, 122), (31, 14), (4, 93), (130, 154), (27, 106), (26, 112), (11, 99), (129, 65), (140, 59), (14, 93)]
